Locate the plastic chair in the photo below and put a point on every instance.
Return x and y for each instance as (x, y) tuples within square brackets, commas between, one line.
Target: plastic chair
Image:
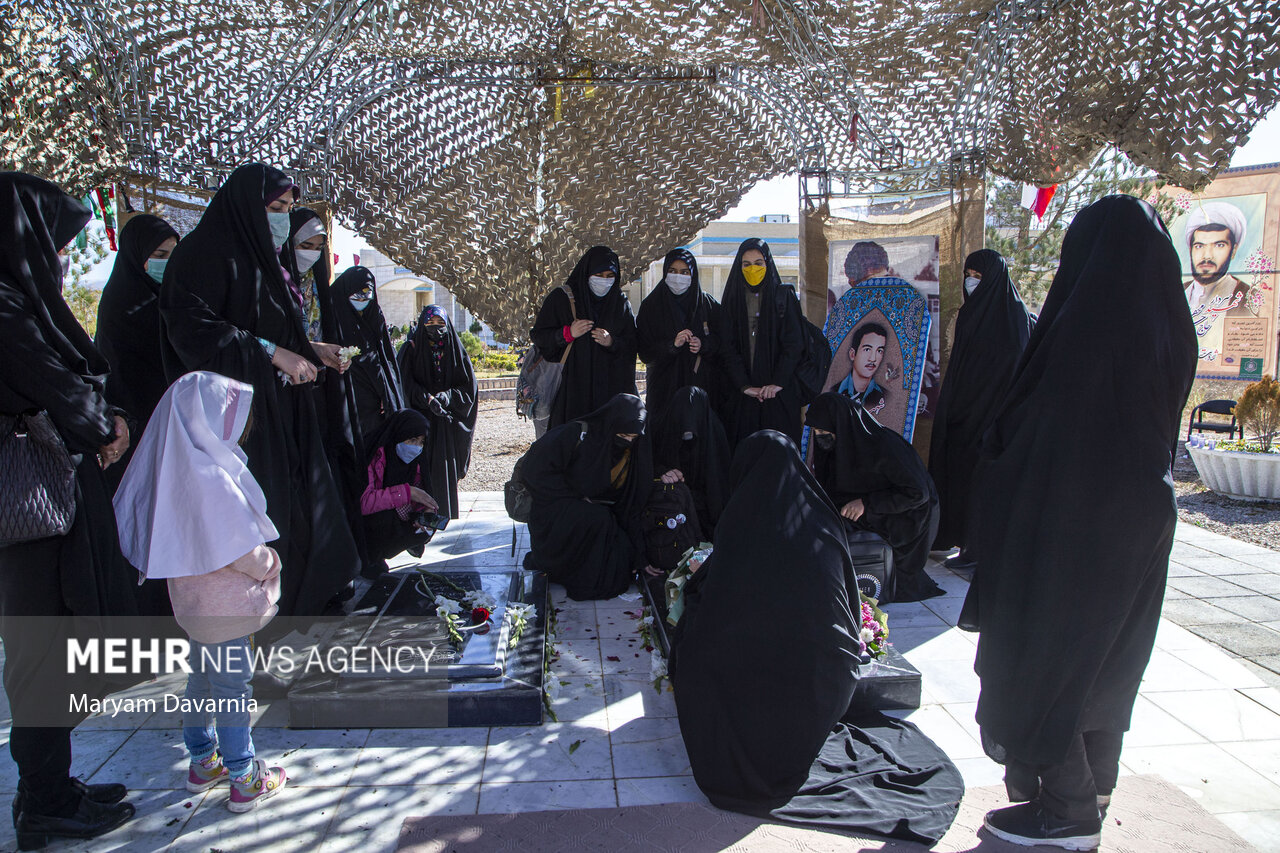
[(1225, 408)]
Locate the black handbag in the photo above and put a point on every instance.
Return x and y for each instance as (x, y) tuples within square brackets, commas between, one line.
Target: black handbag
[(670, 525), (37, 480), (872, 562)]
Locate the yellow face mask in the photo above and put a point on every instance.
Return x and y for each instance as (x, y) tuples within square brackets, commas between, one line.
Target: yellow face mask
[(754, 274)]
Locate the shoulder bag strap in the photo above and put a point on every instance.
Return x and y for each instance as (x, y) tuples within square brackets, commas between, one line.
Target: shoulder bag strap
[(573, 310)]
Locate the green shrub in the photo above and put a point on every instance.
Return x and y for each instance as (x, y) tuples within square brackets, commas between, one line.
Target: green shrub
[(497, 360), (1259, 410), (472, 345)]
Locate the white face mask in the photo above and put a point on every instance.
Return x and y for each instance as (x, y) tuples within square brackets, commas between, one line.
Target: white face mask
[(970, 283), (679, 282), (599, 284), (306, 259)]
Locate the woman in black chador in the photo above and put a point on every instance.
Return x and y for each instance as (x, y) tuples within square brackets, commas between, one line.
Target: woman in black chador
[(602, 362), (590, 479), (689, 446), (761, 344), (764, 664), (440, 382), (227, 308), (375, 374), (675, 332), (991, 333), (1073, 534), (60, 586), (128, 331), (878, 482)]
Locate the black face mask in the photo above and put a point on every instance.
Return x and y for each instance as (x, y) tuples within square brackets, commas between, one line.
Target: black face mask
[(621, 443), (436, 333), (825, 441)]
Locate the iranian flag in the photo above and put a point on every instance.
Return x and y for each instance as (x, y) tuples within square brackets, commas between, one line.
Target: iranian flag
[(1036, 199)]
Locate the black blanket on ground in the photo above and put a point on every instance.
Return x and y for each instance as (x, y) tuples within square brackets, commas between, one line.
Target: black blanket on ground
[(223, 290), (589, 489), (879, 466), (1070, 589), (764, 664), (991, 333)]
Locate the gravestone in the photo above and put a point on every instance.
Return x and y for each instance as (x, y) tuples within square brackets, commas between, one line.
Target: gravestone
[(403, 670), (890, 683)]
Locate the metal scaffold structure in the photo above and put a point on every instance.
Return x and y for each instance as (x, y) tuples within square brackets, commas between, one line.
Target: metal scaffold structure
[(488, 143)]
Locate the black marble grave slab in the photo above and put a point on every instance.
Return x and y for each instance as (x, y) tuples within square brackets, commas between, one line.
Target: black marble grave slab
[(418, 677), (888, 684)]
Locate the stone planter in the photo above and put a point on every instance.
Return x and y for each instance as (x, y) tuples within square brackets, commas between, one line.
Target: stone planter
[(1243, 476)]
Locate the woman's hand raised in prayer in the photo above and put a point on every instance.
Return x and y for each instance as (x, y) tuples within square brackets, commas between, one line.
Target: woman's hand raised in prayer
[(109, 454), (329, 354), (768, 392), (297, 368), (421, 498), (675, 475), (578, 328), (854, 509), (602, 337)]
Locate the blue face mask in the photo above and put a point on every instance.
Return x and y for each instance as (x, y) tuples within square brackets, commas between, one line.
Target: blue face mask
[(155, 268), (279, 223), (408, 452), (359, 304)]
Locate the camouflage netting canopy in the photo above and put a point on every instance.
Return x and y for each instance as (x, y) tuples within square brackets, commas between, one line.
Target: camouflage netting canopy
[(487, 143)]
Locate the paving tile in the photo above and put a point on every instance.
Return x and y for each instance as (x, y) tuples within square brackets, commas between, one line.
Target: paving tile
[(576, 657), (948, 681), (632, 696), (1237, 548), (580, 699), (1261, 829), (1221, 715), (1207, 587), (1192, 612), (662, 789), (1208, 774), (944, 730), (314, 758), (1177, 570), (979, 772), (649, 748), (1171, 636), (393, 757), (151, 759), (540, 796), (625, 656), (1244, 639), (1254, 607), (296, 819), (1269, 560), (161, 815), (1267, 697), (1153, 726), (1227, 670), (369, 819), (547, 753), (1269, 662), (1167, 671), (1267, 584), (913, 615)]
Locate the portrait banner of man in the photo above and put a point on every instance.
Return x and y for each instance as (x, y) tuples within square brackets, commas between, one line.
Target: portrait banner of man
[(878, 331), (1228, 282)]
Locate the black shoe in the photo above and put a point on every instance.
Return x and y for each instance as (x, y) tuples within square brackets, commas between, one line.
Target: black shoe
[(106, 794), (90, 820), (416, 550), (1029, 824)]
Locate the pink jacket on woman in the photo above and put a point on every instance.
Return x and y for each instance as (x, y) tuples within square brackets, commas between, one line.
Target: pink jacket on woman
[(376, 498)]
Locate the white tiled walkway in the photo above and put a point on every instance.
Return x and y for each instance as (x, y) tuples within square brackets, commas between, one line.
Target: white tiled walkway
[(1203, 721)]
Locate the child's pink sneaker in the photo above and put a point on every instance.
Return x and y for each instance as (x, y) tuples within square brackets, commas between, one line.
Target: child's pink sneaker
[(206, 773), (263, 783)]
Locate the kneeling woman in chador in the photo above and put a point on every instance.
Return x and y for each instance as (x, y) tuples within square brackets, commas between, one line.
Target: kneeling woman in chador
[(589, 479), (876, 479), (765, 660), (394, 503)]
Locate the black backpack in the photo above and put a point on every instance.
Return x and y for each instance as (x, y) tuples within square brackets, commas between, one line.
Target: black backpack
[(670, 525), (516, 494), (815, 361)]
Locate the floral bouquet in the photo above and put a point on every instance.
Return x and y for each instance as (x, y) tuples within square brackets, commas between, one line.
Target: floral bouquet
[(348, 353), (873, 633), (689, 563)]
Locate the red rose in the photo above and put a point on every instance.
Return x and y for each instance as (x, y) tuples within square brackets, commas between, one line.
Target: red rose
[(479, 615)]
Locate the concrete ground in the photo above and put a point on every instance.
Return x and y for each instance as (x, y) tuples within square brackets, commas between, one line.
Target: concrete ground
[(1207, 719)]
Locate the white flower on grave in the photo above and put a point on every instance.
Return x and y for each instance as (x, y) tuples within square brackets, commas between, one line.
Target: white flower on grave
[(866, 635), (445, 605), (657, 665), (647, 620), (480, 598), (518, 609)]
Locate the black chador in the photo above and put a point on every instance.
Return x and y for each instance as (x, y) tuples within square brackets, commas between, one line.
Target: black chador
[(595, 370), (664, 315), (128, 331), (374, 375), (765, 662), (1074, 533), (761, 343), (224, 294), (689, 438), (440, 382), (864, 461), (991, 333), (589, 487)]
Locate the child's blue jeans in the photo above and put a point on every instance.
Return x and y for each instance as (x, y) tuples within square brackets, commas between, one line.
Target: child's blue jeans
[(220, 671)]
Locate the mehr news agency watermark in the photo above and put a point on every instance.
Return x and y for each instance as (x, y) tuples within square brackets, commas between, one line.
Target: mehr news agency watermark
[(154, 657)]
